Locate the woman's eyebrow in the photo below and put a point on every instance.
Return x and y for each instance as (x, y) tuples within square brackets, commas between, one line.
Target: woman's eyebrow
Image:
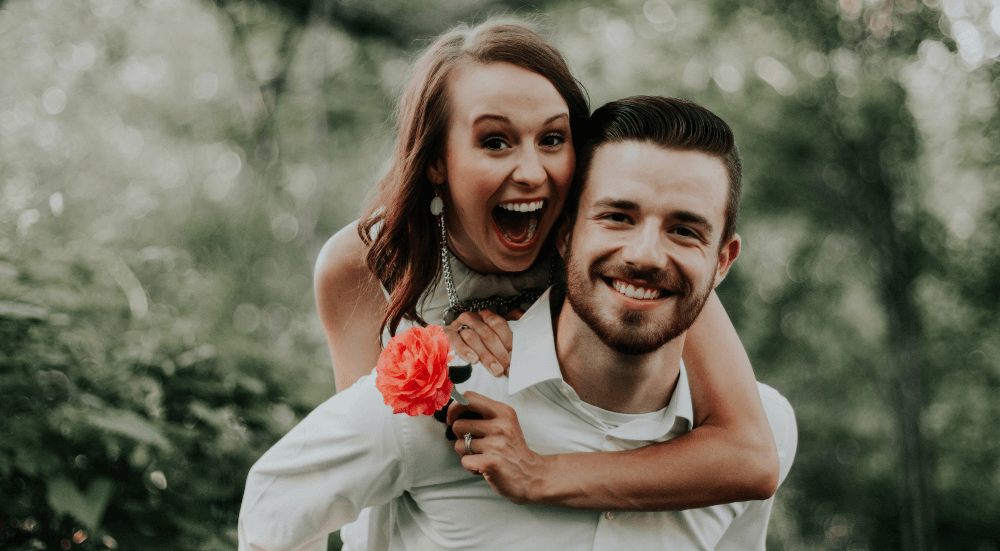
[(506, 120)]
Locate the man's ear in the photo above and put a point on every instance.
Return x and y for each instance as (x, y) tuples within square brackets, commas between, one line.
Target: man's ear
[(727, 254), (437, 173), (564, 232)]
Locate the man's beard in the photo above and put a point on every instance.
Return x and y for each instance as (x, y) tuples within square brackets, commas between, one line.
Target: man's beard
[(634, 332)]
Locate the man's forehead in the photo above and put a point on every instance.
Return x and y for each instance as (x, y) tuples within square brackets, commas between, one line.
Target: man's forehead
[(648, 168)]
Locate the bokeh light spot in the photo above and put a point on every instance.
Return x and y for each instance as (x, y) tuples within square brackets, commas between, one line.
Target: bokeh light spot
[(159, 479), (658, 12), (54, 100), (970, 42), (816, 64), (848, 85), (728, 77), (246, 318), (84, 56), (962, 225), (228, 165), (619, 34), (205, 85), (695, 75), (284, 227)]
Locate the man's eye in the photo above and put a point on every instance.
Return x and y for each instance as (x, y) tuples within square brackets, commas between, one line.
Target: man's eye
[(617, 217), (685, 232), (495, 143)]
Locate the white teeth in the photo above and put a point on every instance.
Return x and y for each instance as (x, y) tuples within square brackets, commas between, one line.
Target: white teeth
[(523, 207), (635, 292)]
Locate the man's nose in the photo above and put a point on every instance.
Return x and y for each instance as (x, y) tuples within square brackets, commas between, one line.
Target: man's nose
[(646, 247), (529, 171)]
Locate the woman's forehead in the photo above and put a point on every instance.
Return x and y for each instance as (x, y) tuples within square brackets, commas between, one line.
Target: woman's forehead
[(503, 91)]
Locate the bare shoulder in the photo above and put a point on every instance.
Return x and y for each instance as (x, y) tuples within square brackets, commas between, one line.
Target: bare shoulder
[(343, 253), (350, 304), (342, 280)]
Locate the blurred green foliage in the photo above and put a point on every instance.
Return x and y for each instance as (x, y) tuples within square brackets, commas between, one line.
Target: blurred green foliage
[(170, 168)]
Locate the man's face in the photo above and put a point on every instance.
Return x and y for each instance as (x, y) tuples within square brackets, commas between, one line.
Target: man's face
[(644, 253)]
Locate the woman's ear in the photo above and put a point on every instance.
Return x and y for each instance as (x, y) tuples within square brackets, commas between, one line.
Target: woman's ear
[(437, 173)]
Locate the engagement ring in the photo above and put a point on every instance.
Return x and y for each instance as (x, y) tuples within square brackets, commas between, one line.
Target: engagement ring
[(461, 328)]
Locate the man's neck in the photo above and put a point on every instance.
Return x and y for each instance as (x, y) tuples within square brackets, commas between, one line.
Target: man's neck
[(611, 380)]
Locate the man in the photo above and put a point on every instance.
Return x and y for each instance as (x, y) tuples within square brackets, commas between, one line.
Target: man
[(596, 369)]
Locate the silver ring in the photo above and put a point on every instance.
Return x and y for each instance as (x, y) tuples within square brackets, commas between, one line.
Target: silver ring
[(468, 443), (461, 328)]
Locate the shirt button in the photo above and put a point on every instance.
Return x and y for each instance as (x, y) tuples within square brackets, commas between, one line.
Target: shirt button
[(609, 515)]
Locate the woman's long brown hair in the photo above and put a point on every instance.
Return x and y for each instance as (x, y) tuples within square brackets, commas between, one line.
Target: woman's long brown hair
[(403, 253)]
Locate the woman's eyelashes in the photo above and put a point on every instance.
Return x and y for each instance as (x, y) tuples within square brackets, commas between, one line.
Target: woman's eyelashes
[(553, 140), (495, 143)]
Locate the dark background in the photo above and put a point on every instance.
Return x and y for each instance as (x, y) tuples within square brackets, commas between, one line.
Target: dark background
[(170, 168)]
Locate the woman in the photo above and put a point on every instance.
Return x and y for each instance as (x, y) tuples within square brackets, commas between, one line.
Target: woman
[(483, 161)]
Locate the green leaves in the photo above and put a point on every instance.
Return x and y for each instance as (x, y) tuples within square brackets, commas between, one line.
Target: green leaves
[(131, 425), (88, 507)]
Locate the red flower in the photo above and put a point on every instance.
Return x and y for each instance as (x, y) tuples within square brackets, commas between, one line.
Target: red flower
[(412, 372)]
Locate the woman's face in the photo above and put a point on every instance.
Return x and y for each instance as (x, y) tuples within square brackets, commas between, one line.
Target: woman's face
[(507, 166)]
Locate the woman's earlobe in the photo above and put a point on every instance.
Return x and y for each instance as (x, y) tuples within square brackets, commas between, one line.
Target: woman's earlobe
[(436, 173)]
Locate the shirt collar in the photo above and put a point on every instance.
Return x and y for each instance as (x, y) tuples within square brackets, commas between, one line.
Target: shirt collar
[(533, 360)]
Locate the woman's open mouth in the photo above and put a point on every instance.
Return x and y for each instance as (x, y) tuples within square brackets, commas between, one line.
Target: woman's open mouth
[(517, 222)]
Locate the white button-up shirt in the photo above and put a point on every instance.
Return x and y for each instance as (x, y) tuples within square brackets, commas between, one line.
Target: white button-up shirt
[(352, 452)]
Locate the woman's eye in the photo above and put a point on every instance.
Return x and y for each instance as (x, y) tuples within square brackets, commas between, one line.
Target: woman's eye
[(553, 140), (495, 143)]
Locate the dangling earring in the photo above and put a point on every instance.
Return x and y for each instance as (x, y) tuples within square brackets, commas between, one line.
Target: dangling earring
[(437, 209), (437, 204)]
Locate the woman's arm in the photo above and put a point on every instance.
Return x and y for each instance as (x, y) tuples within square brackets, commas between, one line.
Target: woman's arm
[(729, 456), (350, 304)]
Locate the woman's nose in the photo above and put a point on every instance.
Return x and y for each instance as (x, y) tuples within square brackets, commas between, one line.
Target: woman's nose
[(529, 170)]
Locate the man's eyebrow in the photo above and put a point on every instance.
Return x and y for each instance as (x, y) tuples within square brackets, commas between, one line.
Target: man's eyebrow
[(614, 203), (503, 119), (693, 218)]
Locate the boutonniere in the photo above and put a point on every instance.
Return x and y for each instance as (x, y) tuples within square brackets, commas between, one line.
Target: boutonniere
[(413, 374)]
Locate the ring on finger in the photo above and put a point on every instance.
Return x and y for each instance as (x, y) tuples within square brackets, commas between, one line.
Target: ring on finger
[(468, 444), (461, 328)]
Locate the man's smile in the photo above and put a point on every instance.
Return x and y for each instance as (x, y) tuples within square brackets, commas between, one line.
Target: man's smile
[(637, 290)]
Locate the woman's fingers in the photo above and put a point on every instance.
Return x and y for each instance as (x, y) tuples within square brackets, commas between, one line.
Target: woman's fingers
[(487, 335), (458, 344)]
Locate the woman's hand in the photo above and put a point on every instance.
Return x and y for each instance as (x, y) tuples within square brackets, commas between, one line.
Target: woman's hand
[(498, 450), (483, 337)]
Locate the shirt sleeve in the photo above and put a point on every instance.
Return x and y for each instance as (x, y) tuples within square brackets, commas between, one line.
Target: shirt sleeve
[(748, 531), (348, 454)]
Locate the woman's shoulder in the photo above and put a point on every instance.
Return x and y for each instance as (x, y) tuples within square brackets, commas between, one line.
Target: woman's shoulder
[(342, 255), (341, 270)]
